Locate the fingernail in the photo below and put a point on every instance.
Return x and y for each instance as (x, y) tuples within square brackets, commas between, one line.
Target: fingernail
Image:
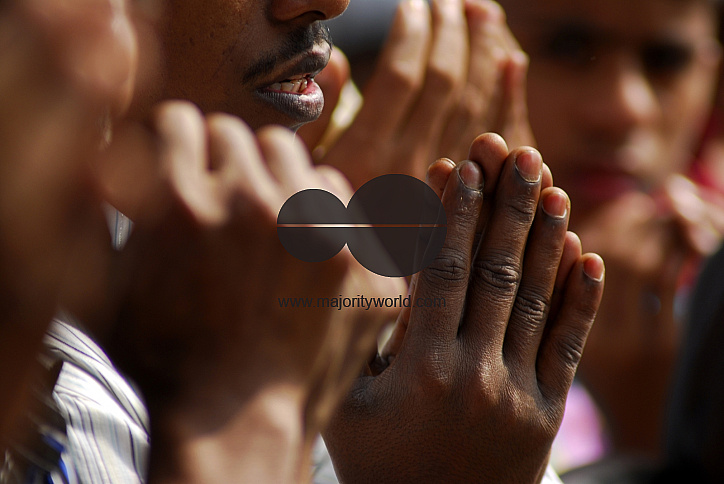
[(471, 175), (528, 164), (555, 204), (593, 267)]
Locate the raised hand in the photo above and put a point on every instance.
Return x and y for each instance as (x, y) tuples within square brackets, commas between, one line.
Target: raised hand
[(474, 391), (651, 244), (237, 384), (447, 73), (63, 68)]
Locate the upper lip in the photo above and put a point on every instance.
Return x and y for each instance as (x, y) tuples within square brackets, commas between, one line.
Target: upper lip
[(308, 64)]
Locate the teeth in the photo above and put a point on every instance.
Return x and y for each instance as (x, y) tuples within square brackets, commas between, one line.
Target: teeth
[(295, 86)]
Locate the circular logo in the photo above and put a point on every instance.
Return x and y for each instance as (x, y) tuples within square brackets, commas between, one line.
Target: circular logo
[(394, 225)]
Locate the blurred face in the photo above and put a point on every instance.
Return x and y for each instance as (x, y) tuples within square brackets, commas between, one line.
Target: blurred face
[(252, 58), (618, 90)]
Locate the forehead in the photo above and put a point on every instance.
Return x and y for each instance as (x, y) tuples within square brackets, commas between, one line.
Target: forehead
[(628, 19)]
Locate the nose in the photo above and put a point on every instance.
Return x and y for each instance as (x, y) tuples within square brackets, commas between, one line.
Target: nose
[(620, 98), (288, 10)]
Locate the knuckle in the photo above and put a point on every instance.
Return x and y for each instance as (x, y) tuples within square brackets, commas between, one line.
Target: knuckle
[(499, 272), (530, 418), (522, 208), (568, 348), (450, 267), (532, 307), (400, 76), (441, 78), (471, 109), (434, 379)]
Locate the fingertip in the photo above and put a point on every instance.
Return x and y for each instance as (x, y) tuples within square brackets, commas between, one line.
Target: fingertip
[(555, 202), (489, 151), (438, 174), (519, 60), (177, 116), (471, 175), (572, 250), (593, 267), (277, 134), (488, 145), (573, 244)]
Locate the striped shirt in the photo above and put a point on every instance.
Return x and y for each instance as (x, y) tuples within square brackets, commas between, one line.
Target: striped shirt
[(107, 423)]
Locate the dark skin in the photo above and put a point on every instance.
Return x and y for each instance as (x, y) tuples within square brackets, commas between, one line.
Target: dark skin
[(476, 390), (54, 94)]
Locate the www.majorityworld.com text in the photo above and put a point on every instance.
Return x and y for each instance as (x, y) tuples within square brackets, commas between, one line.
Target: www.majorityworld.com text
[(361, 301)]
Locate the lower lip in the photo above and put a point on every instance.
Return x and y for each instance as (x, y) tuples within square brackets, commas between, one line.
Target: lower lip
[(302, 107)]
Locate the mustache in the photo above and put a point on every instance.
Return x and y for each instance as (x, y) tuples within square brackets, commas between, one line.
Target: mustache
[(295, 44)]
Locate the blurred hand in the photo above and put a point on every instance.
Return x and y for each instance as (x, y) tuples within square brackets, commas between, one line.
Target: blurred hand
[(447, 73), (63, 67), (649, 244), (237, 385)]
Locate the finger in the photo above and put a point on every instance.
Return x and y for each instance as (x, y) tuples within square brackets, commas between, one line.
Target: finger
[(540, 267), (572, 251), (331, 80), (547, 180), (182, 132), (438, 174), (447, 276), (498, 265), (480, 94), (238, 160), (335, 182), (489, 151), (393, 344), (398, 76), (182, 156), (287, 160), (563, 343), (444, 76)]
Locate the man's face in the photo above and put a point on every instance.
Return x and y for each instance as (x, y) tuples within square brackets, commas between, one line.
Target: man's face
[(618, 90), (252, 58)]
